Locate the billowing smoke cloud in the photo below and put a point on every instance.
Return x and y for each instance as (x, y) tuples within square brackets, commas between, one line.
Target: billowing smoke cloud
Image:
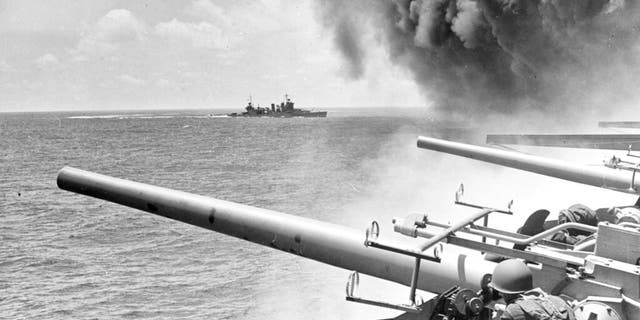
[(501, 56), (337, 15)]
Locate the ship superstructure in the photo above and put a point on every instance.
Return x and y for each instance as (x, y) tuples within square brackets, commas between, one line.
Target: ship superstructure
[(285, 109)]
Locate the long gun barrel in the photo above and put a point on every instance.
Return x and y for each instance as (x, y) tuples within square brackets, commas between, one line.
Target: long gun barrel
[(599, 177), (332, 244)]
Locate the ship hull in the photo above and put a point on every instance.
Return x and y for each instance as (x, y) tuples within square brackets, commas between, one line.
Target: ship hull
[(309, 114)]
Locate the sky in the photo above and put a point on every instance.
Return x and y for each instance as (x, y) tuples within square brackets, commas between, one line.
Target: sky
[(524, 60), (111, 54)]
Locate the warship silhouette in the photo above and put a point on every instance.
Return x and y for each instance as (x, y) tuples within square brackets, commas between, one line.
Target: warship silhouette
[(284, 110)]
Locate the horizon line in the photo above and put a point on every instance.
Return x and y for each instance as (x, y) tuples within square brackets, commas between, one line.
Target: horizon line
[(133, 109)]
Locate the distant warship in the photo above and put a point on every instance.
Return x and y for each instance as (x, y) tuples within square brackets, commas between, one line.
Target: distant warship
[(284, 110)]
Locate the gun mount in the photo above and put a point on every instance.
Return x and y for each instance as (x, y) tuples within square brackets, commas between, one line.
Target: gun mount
[(601, 279), (324, 242)]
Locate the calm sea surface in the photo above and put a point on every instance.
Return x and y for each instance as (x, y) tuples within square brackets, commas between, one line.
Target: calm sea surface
[(66, 256)]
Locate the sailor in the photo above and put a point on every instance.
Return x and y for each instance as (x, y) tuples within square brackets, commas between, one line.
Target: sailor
[(514, 281), (578, 213), (619, 215)]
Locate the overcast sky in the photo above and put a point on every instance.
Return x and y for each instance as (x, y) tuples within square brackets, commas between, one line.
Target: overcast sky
[(109, 54)]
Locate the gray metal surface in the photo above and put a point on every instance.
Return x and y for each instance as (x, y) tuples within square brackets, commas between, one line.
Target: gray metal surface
[(590, 141), (594, 176), (602, 279), (329, 243)]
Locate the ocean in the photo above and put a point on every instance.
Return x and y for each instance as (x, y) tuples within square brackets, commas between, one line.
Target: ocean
[(70, 256), (66, 256)]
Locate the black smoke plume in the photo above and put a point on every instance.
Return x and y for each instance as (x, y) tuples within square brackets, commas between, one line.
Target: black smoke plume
[(501, 56)]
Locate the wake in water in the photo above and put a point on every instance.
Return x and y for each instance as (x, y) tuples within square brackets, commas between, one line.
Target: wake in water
[(146, 116)]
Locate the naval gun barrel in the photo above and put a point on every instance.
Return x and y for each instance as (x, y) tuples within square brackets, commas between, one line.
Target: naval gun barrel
[(321, 241), (623, 181)]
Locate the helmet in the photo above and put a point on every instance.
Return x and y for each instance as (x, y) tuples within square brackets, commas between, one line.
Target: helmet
[(578, 213), (512, 276)]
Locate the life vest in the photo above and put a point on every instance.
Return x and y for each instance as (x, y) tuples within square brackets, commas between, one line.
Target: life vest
[(536, 305)]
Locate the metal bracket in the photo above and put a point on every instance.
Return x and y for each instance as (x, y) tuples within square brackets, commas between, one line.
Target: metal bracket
[(618, 163), (371, 234), (631, 154), (352, 295), (371, 240), (485, 221), (460, 193), (410, 227)]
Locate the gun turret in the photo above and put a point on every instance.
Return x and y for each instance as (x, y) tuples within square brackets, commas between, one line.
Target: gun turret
[(599, 177), (603, 282)]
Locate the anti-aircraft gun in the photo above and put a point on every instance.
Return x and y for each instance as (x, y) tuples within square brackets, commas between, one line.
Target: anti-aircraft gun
[(601, 278)]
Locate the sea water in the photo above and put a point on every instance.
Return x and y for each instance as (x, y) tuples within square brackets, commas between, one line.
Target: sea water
[(66, 256)]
